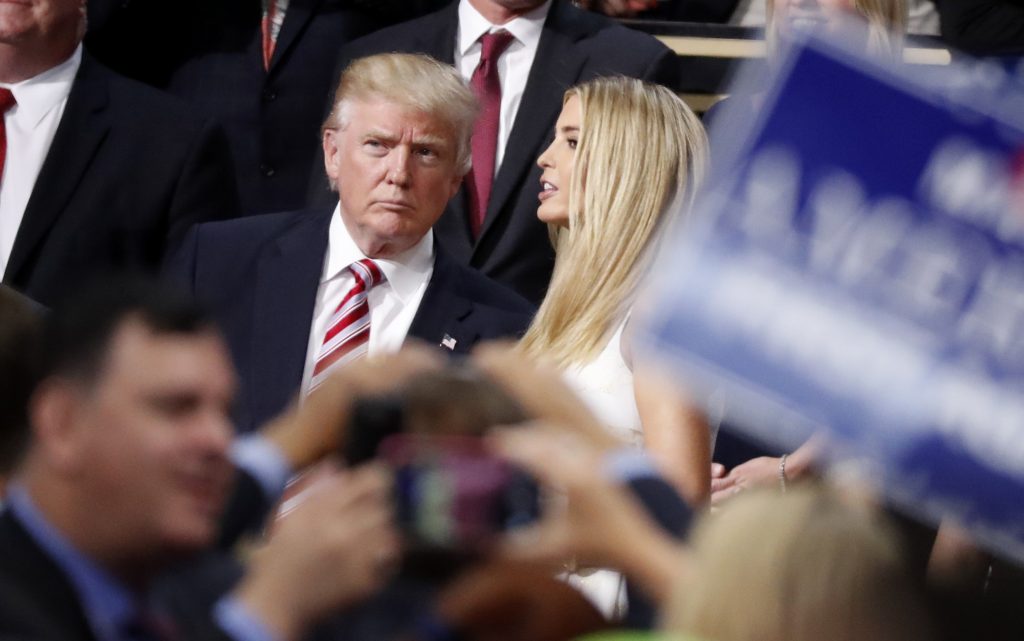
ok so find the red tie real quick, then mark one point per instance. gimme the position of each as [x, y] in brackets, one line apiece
[6, 102]
[267, 35]
[348, 330]
[487, 85]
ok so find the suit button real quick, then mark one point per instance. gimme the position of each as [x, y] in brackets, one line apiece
[267, 170]
[269, 95]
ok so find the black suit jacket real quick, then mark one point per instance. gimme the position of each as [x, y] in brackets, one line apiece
[575, 46]
[260, 276]
[128, 172]
[210, 54]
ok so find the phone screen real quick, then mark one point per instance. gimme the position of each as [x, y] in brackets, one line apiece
[452, 493]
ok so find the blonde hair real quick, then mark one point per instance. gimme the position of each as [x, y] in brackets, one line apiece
[411, 80]
[800, 566]
[640, 155]
[886, 25]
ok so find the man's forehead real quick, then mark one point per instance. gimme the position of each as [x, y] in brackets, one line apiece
[389, 117]
[136, 349]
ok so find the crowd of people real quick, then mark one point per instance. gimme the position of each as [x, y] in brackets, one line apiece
[247, 398]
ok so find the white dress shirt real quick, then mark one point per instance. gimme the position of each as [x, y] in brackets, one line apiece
[30, 124]
[393, 303]
[513, 65]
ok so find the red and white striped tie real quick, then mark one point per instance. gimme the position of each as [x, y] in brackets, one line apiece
[348, 330]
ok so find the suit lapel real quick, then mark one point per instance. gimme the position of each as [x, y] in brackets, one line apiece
[81, 131]
[287, 279]
[556, 67]
[296, 18]
[443, 309]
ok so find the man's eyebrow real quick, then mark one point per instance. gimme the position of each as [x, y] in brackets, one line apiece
[429, 140]
[381, 134]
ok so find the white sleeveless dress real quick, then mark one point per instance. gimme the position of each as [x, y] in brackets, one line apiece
[606, 385]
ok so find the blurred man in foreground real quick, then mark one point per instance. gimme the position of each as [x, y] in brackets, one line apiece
[125, 477]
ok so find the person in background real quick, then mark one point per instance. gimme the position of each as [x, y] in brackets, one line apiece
[744, 464]
[97, 172]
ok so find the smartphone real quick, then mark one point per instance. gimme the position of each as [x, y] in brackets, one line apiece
[452, 493]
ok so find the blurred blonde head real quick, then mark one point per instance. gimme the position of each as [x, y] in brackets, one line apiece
[640, 156]
[886, 21]
[801, 566]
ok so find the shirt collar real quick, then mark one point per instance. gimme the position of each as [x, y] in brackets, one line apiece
[107, 603]
[42, 93]
[404, 272]
[526, 28]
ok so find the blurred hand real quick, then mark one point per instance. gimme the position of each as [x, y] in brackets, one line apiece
[759, 472]
[676, 432]
[600, 524]
[598, 517]
[330, 551]
[310, 430]
[543, 393]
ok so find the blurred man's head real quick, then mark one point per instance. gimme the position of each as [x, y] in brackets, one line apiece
[396, 146]
[130, 425]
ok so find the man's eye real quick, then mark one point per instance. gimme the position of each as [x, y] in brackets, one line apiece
[426, 152]
[374, 145]
[173, 406]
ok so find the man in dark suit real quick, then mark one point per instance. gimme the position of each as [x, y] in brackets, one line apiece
[100, 172]
[211, 54]
[298, 293]
[555, 46]
[123, 482]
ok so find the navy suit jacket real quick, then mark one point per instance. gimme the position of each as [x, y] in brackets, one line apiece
[575, 46]
[260, 275]
[128, 172]
[39, 603]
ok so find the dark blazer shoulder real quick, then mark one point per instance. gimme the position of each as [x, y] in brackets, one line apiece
[229, 246]
[260, 226]
[611, 47]
[479, 288]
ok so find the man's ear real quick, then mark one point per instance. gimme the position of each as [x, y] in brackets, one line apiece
[332, 152]
[53, 412]
[453, 188]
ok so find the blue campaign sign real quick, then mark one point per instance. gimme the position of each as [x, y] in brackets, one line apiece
[856, 266]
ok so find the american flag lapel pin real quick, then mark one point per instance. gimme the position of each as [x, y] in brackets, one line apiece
[448, 342]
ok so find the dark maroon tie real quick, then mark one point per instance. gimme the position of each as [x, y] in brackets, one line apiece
[487, 85]
[6, 102]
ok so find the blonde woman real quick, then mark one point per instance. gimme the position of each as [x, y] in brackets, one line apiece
[625, 159]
